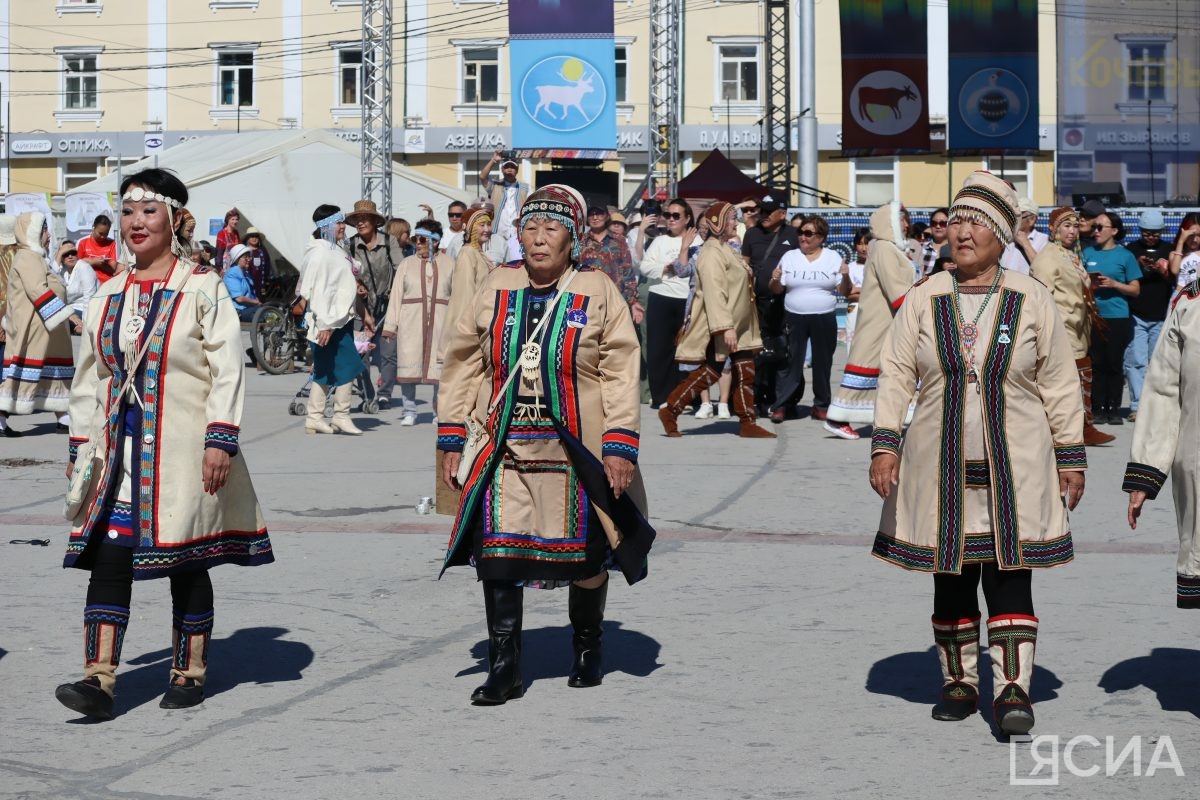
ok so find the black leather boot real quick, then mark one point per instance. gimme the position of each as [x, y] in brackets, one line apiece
[87, 698]
[502, 600]
[586, 609]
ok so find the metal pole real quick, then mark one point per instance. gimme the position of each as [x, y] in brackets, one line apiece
[1150, 149]
[807, 149]
[728, 128]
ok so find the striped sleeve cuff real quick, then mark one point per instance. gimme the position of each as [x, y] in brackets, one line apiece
[621, 442]
[53, 311]
[451, 437]
[222, 436]
[885, 440]
[1070, 457]
[73, 445]
[1143, 478]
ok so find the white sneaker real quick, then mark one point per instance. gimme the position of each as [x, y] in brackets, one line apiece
[408, 420]
[723, 411]
[844, 430]
[705, 412]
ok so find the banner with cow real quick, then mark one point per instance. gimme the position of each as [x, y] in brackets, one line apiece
[563, 68]
[884, 77]
[993, 100]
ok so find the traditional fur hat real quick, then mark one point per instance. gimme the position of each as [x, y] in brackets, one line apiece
[717, 215]
[559, 202]
[1061, 215]
[989, 200]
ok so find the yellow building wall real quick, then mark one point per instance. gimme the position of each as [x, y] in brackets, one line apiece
[33, 175]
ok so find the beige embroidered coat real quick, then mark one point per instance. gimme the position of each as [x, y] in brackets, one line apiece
[1167, 432]
[1058, 269]
[979, 464]
[416, 315]
[471, 269]
[724, 300]
[38, 363]
[191, 386]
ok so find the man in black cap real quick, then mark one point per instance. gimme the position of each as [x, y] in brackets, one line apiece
[762, 248]
[1087, 218]
[507, 196]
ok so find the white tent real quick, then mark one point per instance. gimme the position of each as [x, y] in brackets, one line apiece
[276, 179]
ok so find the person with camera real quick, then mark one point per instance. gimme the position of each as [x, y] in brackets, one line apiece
[762, 248]
[666, 304]
[1116, 279]
[506, 195]
[377, 255]
[1149, 309]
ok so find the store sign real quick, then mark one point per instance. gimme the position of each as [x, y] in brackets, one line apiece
[97, 145]
[31, 146]
[1134, 138]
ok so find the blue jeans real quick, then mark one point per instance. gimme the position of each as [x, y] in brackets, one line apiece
[1137, 356]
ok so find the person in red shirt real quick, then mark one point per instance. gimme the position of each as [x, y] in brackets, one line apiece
[227, 237]
[99, 249]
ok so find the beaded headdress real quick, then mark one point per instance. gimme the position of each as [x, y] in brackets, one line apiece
[561, 203]
[988, 200]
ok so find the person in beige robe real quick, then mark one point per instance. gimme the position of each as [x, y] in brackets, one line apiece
[38, 362]
[471, 269]
[722, 324]
[887, 276]
[416, 316]
[1166, 434]
[1058, 267]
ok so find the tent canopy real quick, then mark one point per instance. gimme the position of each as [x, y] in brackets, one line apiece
[718, 179]
[276, 179]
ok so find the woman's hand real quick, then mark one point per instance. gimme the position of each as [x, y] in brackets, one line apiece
[885, 473]
[76, 322]
[619, 472]
[638, 312]
[731, 340]
[1136, 499]
[686, 240]
[1070, 486]
[323, 337]
[215, 470]
[389, 336]
[450, 465]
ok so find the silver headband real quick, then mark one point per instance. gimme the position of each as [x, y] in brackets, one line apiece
[138, 194]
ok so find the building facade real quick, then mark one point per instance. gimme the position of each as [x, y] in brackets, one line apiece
[91, 84]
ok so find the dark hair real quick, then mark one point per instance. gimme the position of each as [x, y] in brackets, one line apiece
[230, 213]
[102, 218]
[943, 210]
[691, 215]
[456, 204]
[940, 264]
[861, 235]
[206, 246]
[324, 211]
[161, 181]
[819, 225]
[1118, 225]
[918, 228]
[431, 225]
[1191, 218]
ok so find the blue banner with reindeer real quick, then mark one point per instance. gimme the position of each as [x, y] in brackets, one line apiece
[885, 108]
[993, 51]
[561, 58]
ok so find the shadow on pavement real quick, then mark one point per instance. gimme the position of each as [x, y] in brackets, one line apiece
[1172, 673]
[917, 678]
[546, 653]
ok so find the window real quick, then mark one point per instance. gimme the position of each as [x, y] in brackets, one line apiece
[79, 81]
[481, 75]
[748, 164]
[1015, 170]
[471, 167]
[874, 181]
[350, 70]
[235, 79]
[622, 64]
[1146, 183]
[77, 173]
[1146, 70]
[1073, 168]
[738, 73]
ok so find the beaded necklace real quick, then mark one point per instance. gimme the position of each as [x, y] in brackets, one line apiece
[969, 331]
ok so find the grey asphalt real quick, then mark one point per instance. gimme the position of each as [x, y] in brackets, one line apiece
[766, 656]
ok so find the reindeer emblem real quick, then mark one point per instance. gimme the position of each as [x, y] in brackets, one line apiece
[566, 96]
[887, 96]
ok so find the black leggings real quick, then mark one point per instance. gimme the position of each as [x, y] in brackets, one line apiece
[821, 331]
[1108, 364]
[956, 597]
[111, 583]
[664, 318]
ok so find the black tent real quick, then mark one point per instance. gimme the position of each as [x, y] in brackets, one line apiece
[718, 179]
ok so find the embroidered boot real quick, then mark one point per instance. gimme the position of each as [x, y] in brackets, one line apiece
[743, 400]
[958, 652]
[682, 396]
[341, 411]
[103, 634]
[586, 610]
[1012, 639]
[190, 637]
[502, 601]
[1092, 436]
[315, 421]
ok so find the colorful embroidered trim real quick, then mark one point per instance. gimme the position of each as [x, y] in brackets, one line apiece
[1143, 478]
[48, 305]
[1008, 633]
[1070, 456]
[885, 440]
[977, 548]
[73, 445]
[1187, 591]
[621, 442]
[222, 436]
[950, 485]
[96, 618]
[191, 634]
[992, 380]
[451, 437]
[860, 378]
[977, 474]
[29, 370]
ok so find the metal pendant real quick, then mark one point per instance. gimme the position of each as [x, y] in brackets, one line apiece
[134, 327]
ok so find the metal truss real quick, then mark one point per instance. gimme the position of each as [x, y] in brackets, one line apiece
[377, 103]
[662, 169]
[777, 132]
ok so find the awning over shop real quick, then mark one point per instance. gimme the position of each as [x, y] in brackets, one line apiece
[717, 178]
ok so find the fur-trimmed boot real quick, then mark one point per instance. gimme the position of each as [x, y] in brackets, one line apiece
[503, 603]
[742, 400]
[1092, 435]
[315, 421]
[586, 610]
[103, 634]
[190, 638]
[1012, 640]
[958, 652]
[692, 386]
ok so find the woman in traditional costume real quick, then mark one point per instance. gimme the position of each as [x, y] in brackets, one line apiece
[471, 268]
[546, 362]
[416, 315]
[1164, 439]
[887, 276]
[722, 324]
[38, 363]
[999, 416]
[155, 410]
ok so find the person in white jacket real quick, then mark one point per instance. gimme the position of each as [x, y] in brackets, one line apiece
[79, 278]
[329, 291]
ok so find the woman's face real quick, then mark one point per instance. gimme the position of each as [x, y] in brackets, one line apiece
[731, 227]
[422, 243]
[1068, 232]
[244, 260]
[974, 248]
[44, 239]
[860, 249]
[677, 219]
[483, 232]
[1103, 231]
[233, 221]
[253, 241]
[810, 239]
[547, 243]
[146, 227]
[69, 260]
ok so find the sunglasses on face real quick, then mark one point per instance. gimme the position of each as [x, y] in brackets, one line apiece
[454, 214]
[598, 214]
[807, 233]
[673, 215]
[1099, 227]
[420, 239]
[1151, 233]
[939, 223]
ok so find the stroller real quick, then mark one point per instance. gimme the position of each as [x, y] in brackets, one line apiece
[363, 388]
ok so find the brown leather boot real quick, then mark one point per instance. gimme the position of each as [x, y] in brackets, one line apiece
[688, 390]
[1092, 436]
[742, 400]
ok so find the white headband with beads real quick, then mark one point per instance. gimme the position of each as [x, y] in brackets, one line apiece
[137, 194]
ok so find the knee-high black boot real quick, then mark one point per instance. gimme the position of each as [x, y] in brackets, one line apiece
[586, 609]
[502, 601]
